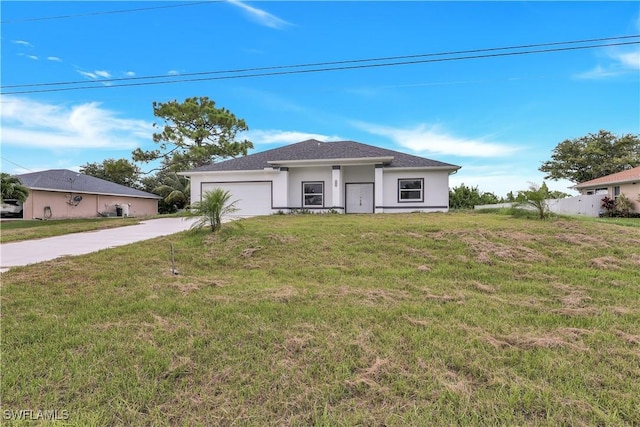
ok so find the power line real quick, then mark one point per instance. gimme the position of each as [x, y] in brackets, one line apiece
[319, 64]
[325, 69]
[108, 12]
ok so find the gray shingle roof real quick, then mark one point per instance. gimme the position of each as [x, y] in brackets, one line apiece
[316, 150]
[69, 181]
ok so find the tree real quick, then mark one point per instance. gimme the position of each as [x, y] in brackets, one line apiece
[12, 188]
[592, 156]
[194, 133]
[120, 171]
[463, 197]
[174, 188]
[535, 197]
[213, 209]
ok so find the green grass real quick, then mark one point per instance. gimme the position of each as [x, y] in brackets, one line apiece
[16, 230]
[438, 319]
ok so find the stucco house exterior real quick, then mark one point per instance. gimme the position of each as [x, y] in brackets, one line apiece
[61, 193]
[625, 182]
[344, 176]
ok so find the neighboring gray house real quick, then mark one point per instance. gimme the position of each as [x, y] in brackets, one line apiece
[346, 176]
[61, 193]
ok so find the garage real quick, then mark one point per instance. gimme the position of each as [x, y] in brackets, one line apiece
[253, 198]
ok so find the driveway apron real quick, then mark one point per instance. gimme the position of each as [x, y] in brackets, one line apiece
[34, 251]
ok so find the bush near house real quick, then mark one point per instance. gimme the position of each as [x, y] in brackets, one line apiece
[621, 207]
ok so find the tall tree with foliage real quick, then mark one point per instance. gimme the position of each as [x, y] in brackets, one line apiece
[120, 171]
[592, 156]
[195, 132]
[12, 187]
[463, 197]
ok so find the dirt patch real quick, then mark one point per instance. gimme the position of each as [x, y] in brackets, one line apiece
[560, 338]
[482, 288]
[581, 240]
[417, 322]
[635, 258]
[628, 338]
[369, 375]
[424, 268]
[605, 263]
[248, 252]
[372, 296]
[444, 298]
[575, 301]
[488, 251]
[283, 294]
[282, 239]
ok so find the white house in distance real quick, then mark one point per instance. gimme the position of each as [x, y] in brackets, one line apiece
[346, 176]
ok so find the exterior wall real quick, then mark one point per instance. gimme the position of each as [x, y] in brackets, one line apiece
[299, 175]
[287, 186]
[90, 206]
[436, 191]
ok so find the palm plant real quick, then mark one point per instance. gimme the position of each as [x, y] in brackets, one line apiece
[214, 207]
[175, 189]
[12, 188]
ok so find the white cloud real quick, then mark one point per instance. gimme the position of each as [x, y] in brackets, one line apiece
[54, 59]
[95, 75]
[130, 74]
[260, 16]
[618, 62]
[35, 58]
[173, 72]
[23, 43]
[28, 123]
[285, 137]
[432, 139]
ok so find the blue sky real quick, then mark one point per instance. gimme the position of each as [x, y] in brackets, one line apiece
[499, 118]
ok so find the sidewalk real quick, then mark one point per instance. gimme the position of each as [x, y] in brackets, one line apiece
[33, 251]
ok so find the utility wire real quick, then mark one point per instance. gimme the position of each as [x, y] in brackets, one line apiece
[325, 69]
[319, 64]
[109, 12]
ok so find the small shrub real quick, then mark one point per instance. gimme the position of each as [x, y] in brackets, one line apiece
[624, 205]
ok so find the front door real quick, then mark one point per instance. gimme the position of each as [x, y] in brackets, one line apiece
[359, 198]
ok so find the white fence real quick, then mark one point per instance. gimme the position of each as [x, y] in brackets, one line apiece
[578, 205]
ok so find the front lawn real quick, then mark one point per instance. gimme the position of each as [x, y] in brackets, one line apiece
[416, 319]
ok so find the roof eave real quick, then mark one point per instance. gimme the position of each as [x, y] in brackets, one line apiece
[345, 161]
[598, 184]
[58, 190]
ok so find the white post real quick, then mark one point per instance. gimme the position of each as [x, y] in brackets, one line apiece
[379, 189]
[336, 184]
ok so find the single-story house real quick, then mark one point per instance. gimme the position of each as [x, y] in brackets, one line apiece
[344, 176]
[61, 193]
[625, 182]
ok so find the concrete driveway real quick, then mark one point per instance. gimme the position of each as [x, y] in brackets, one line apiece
[33, 251]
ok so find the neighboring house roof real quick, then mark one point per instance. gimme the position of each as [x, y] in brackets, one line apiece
[74, 182]
[312, 149]
[629, 175]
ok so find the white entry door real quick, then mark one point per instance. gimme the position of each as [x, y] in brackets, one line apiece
[359, 198]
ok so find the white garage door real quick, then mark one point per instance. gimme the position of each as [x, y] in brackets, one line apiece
[254, 198]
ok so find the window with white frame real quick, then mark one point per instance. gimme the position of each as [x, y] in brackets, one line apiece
[411, 190]
[312, 194]
[616, 191]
